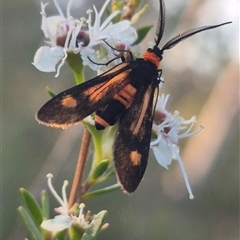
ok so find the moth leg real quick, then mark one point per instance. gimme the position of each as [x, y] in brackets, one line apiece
[105, 64]
[121, 51]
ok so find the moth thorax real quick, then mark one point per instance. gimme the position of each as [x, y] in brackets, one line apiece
[151, 56]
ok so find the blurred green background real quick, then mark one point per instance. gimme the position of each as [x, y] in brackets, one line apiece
[201, 74]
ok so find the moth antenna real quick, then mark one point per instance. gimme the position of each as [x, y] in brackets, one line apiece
[183, 36]
[161, 23]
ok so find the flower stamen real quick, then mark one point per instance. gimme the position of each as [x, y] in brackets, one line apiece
[80, 218]
[58, 8]
[50, 176]
[62, 63]
[68, 8]
[182, 170]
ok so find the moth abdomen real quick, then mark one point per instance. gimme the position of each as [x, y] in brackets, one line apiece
[116, 107]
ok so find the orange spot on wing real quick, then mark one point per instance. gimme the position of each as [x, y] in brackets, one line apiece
[135, 157]
[69, 102]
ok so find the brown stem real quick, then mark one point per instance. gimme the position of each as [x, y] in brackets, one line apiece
[77, 181]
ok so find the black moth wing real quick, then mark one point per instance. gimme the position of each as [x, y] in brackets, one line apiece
[73, 105]
[133, 140]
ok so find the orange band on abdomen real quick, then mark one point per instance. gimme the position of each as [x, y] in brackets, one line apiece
[101, 121]
[126, 95]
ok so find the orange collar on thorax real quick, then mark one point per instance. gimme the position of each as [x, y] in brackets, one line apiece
[152, 57]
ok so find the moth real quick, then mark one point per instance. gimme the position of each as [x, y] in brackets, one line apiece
[127, 95]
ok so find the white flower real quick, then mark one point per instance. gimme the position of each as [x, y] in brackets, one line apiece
[65, 35]
[169, 128]
[62, 33]
[64, 220]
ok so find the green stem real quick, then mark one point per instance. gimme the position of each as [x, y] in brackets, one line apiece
[97, 142]
[86, 186]
[75, 63]
[100, 191]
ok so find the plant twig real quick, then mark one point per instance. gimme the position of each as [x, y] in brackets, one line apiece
[77, 181]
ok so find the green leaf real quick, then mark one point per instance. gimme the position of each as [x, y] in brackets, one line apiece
[103, 142]
[142, 32]
[45, 204]
[100, 191]
[102, 52]
[32, 227]
[134, 3]
[115, 6]
[99, 170]
[95, 226]
[139, 14]
[107, 12]
[75, 232]
[50, 92]
[32, 206]
[61, 235]
[75, 63]
[97, 141]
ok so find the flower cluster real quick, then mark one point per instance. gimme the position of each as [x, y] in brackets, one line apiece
[64, 220]
[66, 34]
[169, 128]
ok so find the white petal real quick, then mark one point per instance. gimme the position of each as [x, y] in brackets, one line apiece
[121, 31]
[50, 25]
[108, 20]
[117, 27]
[46, 58]
[57, 224]
[163, 154]
[87, 53]
[162, 102]
[129, 36]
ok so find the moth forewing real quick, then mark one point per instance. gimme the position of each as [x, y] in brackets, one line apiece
[73, 105]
